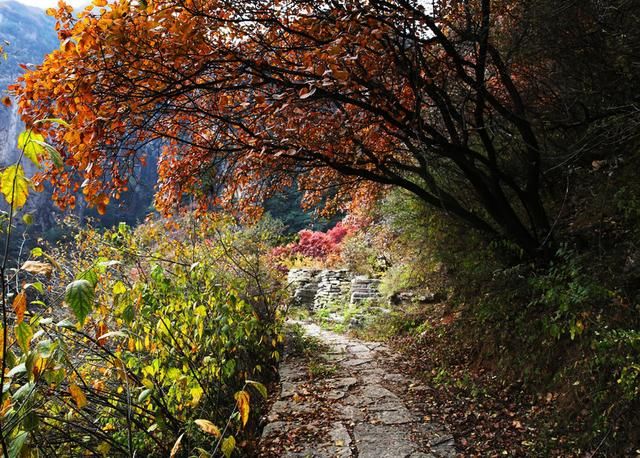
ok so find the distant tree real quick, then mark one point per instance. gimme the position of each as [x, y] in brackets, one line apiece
[347, 97]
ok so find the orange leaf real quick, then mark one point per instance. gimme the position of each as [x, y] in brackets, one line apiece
[78, 396]
[101, 330]
[6, 101]
[6, 405]
[20, 306]
[242, 397]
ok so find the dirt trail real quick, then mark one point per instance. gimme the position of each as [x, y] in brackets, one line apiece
[363, 410]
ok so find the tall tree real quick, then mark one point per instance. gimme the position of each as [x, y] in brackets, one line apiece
[346, 96]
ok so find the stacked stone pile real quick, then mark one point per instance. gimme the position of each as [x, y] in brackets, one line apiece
[304, 284]
[334, 285]
[365, 289]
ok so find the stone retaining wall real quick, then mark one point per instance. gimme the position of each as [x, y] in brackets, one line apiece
[304, 283]
[315, 288]
[364, 289]
[334, 286]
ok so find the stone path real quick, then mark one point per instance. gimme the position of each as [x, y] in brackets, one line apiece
[362, 410]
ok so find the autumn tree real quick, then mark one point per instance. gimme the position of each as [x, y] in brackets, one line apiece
[345, 97]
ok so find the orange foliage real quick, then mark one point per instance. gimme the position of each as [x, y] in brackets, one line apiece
[245, 97]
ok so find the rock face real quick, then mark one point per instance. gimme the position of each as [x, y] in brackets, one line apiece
[315, 289]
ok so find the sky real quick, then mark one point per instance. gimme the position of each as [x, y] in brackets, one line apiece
[50, 3]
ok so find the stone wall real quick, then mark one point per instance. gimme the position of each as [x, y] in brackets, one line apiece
[365, 289]
[315, 289]
[304, 284]
[334, 286]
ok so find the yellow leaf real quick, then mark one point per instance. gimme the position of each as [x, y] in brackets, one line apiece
[242, 397]
[15, 185]
[176, 447]
[196, 395]
[20, 306]
[228, 445]
[37, 268]
[119, 288]
[31, 144]
[78, 396]
[208, 427]
[100, 2]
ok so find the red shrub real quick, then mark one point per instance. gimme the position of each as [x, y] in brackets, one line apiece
[313, 244]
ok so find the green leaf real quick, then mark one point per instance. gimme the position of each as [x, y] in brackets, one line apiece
[36, 252]
[24, 333]
[65, 324]
[24, 390]
[259, 387]
[228, 445]
[30, 143]
[60, 121]
[128, 314]
[17, 443]
[90, 275]
[14, 186]
[79, 296]
[19, 369]
[54, 154]
[31, 421]
[38, 286]
[144, 395]
[102, 265]
[28, 219]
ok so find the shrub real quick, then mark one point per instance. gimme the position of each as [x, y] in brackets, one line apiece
[158, 349]
[313, 245]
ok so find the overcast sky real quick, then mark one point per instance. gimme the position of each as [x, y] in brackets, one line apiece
[49, 3]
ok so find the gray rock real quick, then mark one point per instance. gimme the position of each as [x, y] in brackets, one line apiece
[288, 389]
[281, 409]
[400, 416]
[275, 428]
[344, 383]
[397, 378]
[351, 414]
[382, 441]
[341, 441]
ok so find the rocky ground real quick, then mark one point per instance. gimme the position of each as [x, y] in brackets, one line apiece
[356, 406]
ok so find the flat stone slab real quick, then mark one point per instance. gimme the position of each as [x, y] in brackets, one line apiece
[291, 373]
[395, 378]
[355, 362]
[275, 428]
[382, 441]
[393, 417]
[345, 382]
[358, 348]
[288, 389]
[351, 414]
[375, 391]
[341, 440]
[281, 409]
